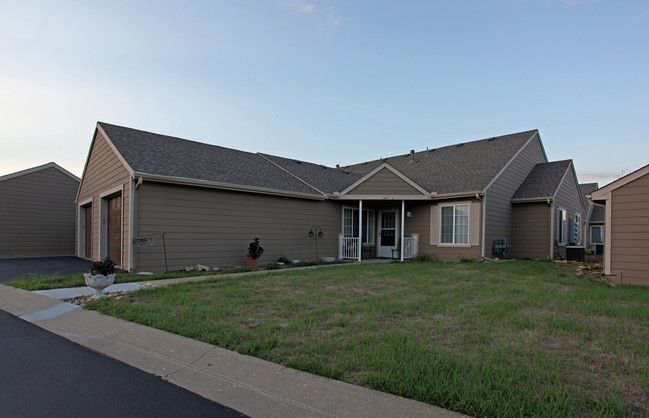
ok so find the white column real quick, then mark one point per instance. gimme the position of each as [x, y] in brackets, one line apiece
[360, 228]
[403, 222]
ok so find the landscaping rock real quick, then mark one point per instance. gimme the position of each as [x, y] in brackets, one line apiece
[201, 267]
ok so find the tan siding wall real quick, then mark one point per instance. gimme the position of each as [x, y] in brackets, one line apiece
[214, 227]
[385, 182]
[531, 232]
[420, 223]
[105, 172]
[499, 207]
[630, 232]
[37, 214]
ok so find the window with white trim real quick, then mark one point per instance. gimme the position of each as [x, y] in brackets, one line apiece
[454, 224]
[596, 234]
[561, 226]
[350, 224]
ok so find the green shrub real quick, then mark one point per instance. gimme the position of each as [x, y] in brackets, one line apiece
[284, 259]
[422, 257]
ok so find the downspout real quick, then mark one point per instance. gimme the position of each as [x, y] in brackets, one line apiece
[403, 222]
[484, 216]
[131, 222]
[360, 229]
[551, 205]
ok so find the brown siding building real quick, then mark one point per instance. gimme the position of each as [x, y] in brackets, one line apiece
[626, 229]
[200, 203]
[37, 212]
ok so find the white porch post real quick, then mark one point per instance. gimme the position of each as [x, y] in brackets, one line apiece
[403, 222]
[360, 228]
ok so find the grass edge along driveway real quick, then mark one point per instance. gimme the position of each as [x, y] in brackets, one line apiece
[486, 339]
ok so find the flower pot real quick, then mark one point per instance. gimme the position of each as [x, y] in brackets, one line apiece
[99, 282]
[252, 261]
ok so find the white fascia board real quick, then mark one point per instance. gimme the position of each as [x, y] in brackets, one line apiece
[378, 197]
[601, 193]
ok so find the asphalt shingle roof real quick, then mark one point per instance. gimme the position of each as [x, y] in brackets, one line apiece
[543, 181]
[325, 179]
[151, 153]
[584, 190]
[465, 167]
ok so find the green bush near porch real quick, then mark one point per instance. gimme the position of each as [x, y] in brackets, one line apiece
[515, 338]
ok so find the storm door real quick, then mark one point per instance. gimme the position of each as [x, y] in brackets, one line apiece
[88, 231]
[388, 233]
[115, 229]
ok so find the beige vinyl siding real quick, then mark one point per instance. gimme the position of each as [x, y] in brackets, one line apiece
[531, 232]
[498, 196]
[214, 227]
[105, 172]
[37, 214]
[420, 223]
[630, 232]
[384, 182]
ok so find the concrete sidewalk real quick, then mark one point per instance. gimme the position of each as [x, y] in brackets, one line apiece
[249, 385]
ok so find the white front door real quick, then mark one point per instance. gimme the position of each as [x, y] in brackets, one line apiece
[388, 233]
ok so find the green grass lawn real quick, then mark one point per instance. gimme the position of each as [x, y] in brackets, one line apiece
[519, 338]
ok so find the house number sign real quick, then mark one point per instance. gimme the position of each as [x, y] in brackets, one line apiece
[143, 242]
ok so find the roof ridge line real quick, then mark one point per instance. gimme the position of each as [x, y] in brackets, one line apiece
[290, 174]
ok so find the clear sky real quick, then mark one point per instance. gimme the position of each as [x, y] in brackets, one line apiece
[331, 82]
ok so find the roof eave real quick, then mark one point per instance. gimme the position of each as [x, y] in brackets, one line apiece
[532, 199]
[160, 178]
[474, 193]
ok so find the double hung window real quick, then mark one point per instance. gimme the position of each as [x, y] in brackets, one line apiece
[596, 234]
[454, 224]
[561, 226]
[350, 224]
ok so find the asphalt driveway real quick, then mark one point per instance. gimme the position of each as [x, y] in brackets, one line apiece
[31, 268]
[45, 375]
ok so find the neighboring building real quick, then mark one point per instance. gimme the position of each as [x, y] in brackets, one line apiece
[626, 231]
[37, 212]
[548, 212]
[593, 221]
[210, 201]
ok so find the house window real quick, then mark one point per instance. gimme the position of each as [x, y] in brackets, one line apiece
[561, 225]
[350, 224]
[596, 234]
[454, 224]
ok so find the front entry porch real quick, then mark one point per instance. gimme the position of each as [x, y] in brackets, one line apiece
[377, 233]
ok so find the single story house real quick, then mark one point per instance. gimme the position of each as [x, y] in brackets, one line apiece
[200, 203]
[593, 220]
[548, 212]
[626, 227]
[37, 212]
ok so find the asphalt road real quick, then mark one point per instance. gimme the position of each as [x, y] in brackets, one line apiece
[26, 268]
[42, 374]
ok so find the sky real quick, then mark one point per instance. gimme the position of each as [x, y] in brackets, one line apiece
[329, 82]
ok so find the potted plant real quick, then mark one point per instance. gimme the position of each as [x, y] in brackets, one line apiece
[102, 275]
[254, 252]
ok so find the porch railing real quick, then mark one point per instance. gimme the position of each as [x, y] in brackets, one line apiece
[349, 247]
